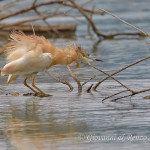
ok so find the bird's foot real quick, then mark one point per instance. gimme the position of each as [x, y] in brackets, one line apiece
[41, 95]
[37, 94]
[28, 94]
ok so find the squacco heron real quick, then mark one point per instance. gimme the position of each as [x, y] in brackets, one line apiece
[29, 54]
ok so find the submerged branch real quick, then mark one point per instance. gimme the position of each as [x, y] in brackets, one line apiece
[109, 76]
[88, 81]
[125, 96]
[75, 78]
[122, 97]
[114, 95]
[89, 89]
[63, 82]
[105, 78]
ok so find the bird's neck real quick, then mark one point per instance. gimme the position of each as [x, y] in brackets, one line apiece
[64, 56]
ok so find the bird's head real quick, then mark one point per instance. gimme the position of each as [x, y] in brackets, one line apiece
[84, 56]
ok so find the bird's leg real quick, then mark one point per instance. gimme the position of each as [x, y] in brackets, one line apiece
[41, 92]
[25, 83]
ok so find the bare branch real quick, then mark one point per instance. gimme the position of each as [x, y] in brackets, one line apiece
[94, 88]
[132, 94]
[88, 19]
[75, 78]
[63, 82]
[121, 97]
[44, 19]
[28, 27]
[30, 8]
[86, 10]
[8, 5]
[109, 76]
[88, 80]
[89, 89]
[114, 95]
[146, 34]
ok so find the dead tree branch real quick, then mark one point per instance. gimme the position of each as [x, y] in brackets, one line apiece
[88, 81]
[63, 82]
[132, 94]
[141, 31]
[114, 95]
[89, 89]
[30, 8]
[85, 10]
[125, 96]
[89, 20]
[109, 76]
[37, 28]
[44, 19]
[8, 5]
[105, 78]
[75, 78]
[114, 100]
[72, 4]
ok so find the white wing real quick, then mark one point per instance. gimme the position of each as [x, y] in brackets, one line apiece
[28, 64]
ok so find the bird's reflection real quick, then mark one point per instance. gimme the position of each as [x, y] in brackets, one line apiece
[26, 129]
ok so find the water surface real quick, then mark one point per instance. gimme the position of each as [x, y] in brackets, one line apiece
[67, 120]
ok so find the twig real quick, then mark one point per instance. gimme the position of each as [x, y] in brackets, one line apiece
[88, 80]
[88, 19]
[132, 94]
[89, 89]
[59, 74]
[126, 33]
[63, 82]
[30, 8]
[91, 15]
[83, 11]
[19, 22]
[44, 19]
[8, 5]
[146, 34]
[38, 28]
[141, 91]
[94, 88]
[112, 35]
[114, 95]
[83, 4]
[109, 76]
[86, 10]
[136, 92]
[75, 78]
[114, 100]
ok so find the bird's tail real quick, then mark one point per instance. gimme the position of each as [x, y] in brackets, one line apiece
[11, 78]
[4, 48]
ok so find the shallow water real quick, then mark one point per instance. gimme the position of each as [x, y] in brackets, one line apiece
[67, 120]
[71, 121]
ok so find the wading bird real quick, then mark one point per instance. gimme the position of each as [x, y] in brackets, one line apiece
[29, 54]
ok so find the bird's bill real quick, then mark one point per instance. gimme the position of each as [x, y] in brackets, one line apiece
[90, 59]
[85, 56]
[95, 59]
